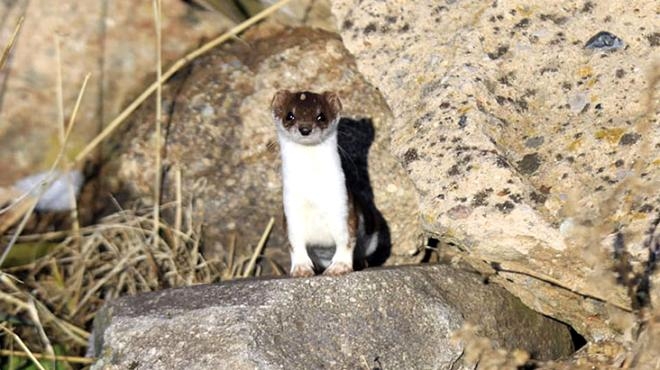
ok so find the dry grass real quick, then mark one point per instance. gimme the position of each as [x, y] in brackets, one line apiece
[159, 116]
[56, 297]
[113, 258]
[49, 303]
[10, 44]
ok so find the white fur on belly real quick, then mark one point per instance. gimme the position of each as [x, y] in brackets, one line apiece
[315, 198]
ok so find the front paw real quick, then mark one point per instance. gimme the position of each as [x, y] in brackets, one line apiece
[338, 269]
[302, 271]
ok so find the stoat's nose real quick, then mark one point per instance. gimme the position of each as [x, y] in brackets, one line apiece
[304, 130]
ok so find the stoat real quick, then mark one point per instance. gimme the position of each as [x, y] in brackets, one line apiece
[319, 209]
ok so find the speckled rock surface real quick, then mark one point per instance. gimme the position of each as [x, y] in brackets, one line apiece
[219, 130]
[111, 40]
[529, 151]
[341, 323]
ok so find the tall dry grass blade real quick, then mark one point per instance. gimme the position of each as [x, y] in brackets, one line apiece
[75, 223]
[34, 316]
[49, 179]
[59, 94]
[159, 115]
[3, 59]
[194, 256]
[17, 200]
[278, 270]
[11, 300]
[259, 248]
[69, 359]
[230, 257]
[76, 107]
[22, 345]
[171, 71]
[179, 211]
[10, 44]
[75, 333]
[15, 211]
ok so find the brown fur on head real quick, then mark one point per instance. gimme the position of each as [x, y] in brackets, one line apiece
[306, 117]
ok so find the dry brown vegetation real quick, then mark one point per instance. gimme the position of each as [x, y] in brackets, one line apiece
[47, 303]
[58, 294]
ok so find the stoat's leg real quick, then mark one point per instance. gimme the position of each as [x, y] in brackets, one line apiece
[294, 222]
[345, 240]
[301, 264]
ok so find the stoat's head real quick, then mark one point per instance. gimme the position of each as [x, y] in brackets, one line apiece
[305, 117]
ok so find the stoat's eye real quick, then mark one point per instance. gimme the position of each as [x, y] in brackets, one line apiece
[320, 117]
[290, 116]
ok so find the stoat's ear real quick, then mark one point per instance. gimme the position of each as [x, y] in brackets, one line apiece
[279, 99]
[333, 101]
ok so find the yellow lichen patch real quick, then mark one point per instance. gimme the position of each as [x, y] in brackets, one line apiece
[449, 234]
[640, 216]
[525, 11]
[591, 83]
[464, 109]
[573, 146]
[612, 135]
[656, 162]
[585, 72]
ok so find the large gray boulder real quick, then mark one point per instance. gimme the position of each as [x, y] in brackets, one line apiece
[391, 318]
[533, 145]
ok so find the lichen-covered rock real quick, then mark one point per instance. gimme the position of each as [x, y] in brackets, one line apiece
[113, 41]
[399, 318]
[219, 131]
[529, 151]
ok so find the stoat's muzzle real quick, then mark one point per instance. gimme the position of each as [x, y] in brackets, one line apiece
[307, 133]
[305, 130]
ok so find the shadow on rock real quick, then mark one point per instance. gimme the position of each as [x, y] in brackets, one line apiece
[355, 137]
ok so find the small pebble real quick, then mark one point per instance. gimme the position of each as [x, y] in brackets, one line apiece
[577, 102]
[208, 111]
[534, 142]
[566, 227]
[604, 40]
[462, 122]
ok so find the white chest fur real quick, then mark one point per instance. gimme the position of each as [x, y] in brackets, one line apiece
[315, 196]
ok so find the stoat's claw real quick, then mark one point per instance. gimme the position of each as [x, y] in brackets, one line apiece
[338, 269]
[302, 271]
